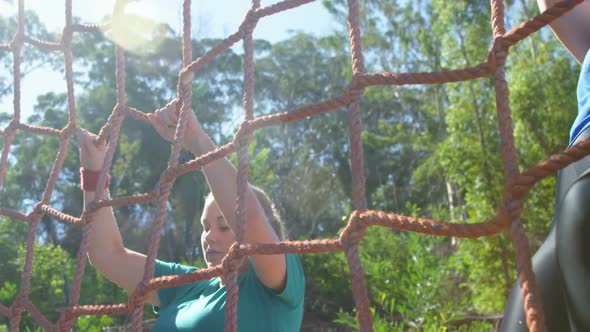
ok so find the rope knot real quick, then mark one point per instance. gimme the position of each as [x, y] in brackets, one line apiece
[249, 23]
[244, 134]
[185, 77]
[164, 184]
[12, 127]
[516, 187]
[136, 300]
[16, 42]
[498, 52]
[139, 295]
[37, 211]
[354, 231]
[66, 36]
[67, 131]
[91, 208]
[67, 315]
[20, 300]
[185, 85]
[356, 87]
[234, 258]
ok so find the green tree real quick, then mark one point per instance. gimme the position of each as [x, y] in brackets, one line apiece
[31, 57]
[430, 151]
[308, 157]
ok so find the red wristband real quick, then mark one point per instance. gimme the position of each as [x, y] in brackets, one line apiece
[89, 179]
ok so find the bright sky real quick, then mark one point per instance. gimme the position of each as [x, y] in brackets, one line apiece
[218, 18]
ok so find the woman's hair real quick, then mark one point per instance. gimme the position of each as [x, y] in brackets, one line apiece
[272, 215]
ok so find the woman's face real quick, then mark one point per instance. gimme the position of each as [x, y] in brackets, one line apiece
[217, 237]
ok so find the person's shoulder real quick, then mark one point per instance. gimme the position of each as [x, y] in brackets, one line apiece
[162, 268]
[294, 290]
[168, 295]
[295, 270]
[294, 261]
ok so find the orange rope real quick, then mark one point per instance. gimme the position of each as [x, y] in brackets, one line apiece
[516, 184]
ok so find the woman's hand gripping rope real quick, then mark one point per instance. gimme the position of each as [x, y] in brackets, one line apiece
[91, 153]
[165, 120]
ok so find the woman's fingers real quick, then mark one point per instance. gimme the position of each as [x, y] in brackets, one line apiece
[90, 141]
[91, 153]
[164, 123]
[79, 135]
[169, 117]
[158, 125]
[82, 138]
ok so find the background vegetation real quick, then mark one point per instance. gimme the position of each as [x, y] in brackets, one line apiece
[431, 151]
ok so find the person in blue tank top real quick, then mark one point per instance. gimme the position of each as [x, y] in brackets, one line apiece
[562, 263]
[271, 287]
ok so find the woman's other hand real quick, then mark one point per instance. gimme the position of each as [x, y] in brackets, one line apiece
[91, 153]
[164, 122]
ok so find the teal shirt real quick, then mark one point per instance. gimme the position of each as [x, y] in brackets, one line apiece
[200, 306]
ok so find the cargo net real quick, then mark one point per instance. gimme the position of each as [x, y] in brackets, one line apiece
[516, 185]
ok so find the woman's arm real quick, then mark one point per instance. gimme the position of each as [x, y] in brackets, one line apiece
[221, 176]
[106, 251]
[573, 28]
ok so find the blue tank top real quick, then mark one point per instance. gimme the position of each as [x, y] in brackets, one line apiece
[583, 119]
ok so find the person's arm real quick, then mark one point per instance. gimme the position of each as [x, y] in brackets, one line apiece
[573, 28]
[106, 251]
[221, 177]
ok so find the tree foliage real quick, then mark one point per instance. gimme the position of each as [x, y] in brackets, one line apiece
[430, 151]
